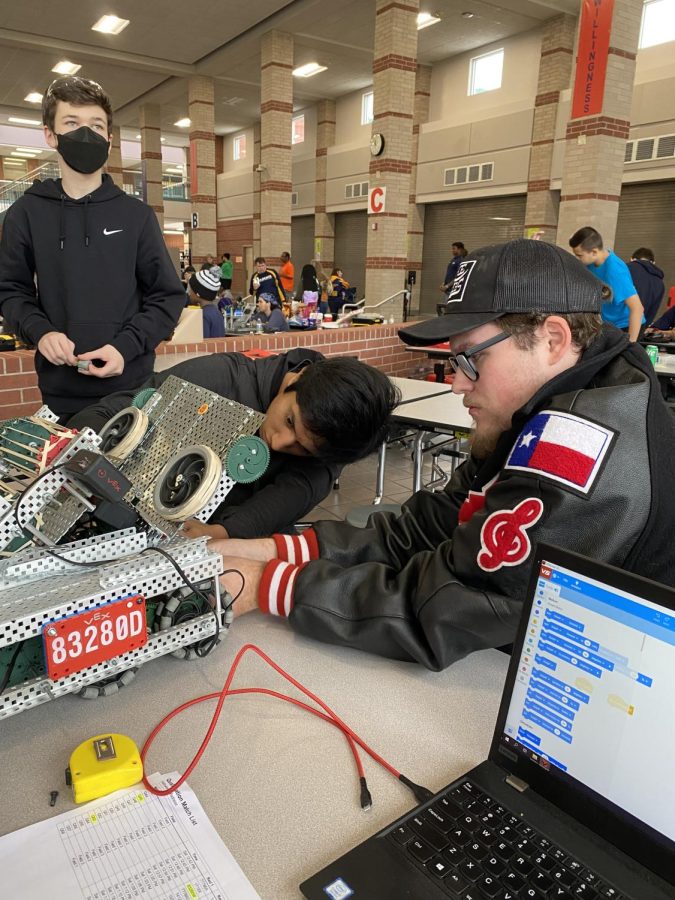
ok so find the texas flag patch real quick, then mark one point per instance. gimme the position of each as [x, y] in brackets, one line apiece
[563, 448]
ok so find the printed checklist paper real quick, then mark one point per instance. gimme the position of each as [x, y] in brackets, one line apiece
[131, 844]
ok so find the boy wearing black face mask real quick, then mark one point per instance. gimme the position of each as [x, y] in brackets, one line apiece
[85, 275]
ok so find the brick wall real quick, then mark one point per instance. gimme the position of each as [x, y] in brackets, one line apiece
[232, 237]
[378, 345]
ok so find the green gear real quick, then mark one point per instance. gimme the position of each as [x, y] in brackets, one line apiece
[142, 397]
[247, 459]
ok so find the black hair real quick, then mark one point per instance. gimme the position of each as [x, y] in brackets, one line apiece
[259, 259]
[643, 253]
[308, 277]
[226, 256]
[459, 245]
[346, 404]
[189, 269]
[587, 239]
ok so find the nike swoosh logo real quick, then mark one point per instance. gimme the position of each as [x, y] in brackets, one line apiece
[116, 231]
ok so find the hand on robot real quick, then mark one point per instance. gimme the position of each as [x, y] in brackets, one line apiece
[192, 528]
[112, 359]
[231, 581]
[57, 348]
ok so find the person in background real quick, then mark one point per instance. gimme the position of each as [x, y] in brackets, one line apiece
[458, 251]
[648, 281]
[270, 315]
[287, 275]
[188, 272]
[226, 272]
[203, 289]
[208, 263]
[266, 281]
[624, 309]
[341, 292]
[85, 275]
[310, 289]
[665, 324]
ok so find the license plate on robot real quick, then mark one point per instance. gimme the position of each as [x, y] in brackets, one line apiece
[94, 636]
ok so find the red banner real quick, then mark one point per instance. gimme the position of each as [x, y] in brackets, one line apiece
[594, 31]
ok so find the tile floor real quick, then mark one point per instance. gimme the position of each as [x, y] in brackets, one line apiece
[357, 484]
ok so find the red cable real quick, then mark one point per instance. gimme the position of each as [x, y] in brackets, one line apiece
[330, 716]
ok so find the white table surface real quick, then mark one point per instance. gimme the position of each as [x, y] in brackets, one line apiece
[278, 784]
[438, 409]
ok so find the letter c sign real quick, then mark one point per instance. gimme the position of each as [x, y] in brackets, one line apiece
[376, 198]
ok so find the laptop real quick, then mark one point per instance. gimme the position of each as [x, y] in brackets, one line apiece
[577, 796]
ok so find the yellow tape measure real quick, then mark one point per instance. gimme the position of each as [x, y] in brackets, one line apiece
[103, 764]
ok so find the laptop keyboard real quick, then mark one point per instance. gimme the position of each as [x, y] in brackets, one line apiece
[475, 849]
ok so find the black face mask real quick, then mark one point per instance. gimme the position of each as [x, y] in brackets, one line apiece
[83, 150]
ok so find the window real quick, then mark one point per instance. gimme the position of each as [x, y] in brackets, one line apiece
[658, 23]
[239, 147]
[367, 108]
[298, 130]
[486, 72]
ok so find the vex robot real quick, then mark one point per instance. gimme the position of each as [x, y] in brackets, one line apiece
[96, 577]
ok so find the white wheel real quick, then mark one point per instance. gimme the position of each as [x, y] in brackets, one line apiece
[123, 433]
[186, 483]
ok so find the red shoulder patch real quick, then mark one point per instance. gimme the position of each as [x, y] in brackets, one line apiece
[503, 537]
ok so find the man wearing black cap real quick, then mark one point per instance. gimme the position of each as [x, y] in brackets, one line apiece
[571, 441]
[203, 287]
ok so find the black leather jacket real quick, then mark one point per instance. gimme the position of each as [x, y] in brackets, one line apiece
[422, 586]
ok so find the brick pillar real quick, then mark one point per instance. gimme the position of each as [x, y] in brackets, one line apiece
[416, 210]
[324, 223]
[151, 159]
[114, 164]
[555, 70]
[276, 111]
[256, 190]
[202, 166]
[394, 67]
[2, 168]
[595, 144]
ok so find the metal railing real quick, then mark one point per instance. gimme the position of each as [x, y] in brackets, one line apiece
[17, 188]
[12, 190]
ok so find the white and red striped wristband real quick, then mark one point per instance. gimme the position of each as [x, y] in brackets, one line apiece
[275, 593]
[297, 548]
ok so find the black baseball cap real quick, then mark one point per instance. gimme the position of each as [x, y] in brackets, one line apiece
[521, 276]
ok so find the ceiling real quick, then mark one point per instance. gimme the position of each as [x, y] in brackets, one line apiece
[167, 41]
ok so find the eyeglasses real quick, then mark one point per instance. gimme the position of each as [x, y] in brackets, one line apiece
[462, 361]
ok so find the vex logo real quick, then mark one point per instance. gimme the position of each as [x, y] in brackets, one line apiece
[97, 617]
[458, 288]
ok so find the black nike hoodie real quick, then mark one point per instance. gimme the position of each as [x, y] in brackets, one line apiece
[96, 269]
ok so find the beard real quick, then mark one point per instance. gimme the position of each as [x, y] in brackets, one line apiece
[483, 439]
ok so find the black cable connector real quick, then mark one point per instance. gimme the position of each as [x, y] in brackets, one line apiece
[421, 793]
[366, 799]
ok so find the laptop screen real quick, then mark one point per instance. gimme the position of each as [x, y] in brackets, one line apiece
[594, 692]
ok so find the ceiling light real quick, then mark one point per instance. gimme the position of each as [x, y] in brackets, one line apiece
[424, 19]
[138, 137]
[66, 68]
[110, 25]
[183, 123]
[33, 97]
[13, 162]
[468, 15]
[308, 70]
[501, 218]
[18, 121]
[163, 140]
[29, 150]
[23, 155]
[174, 169]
